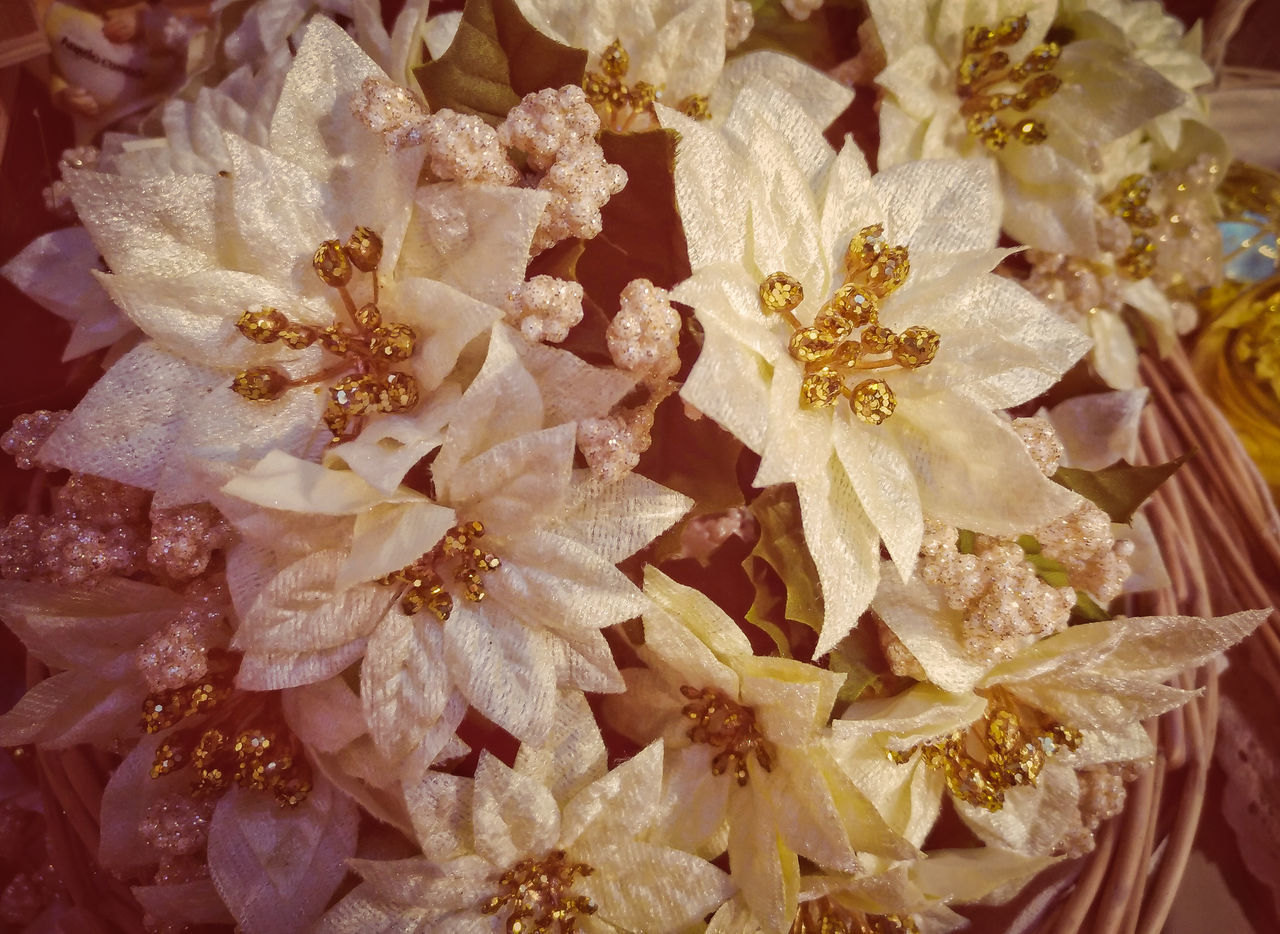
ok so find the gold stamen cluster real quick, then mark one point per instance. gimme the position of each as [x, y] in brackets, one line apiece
[1009, 753]
[536, 891]
[365, 382]
[826, 916]
[424, 587]
[621, 104]
[846, 336]
[728, 726]
[988, 83]
[1128, 201]
[231, 744]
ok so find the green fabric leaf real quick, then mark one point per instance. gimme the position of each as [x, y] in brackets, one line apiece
[768, 604]
[1118, 490]
[859, 656]
[496, 58]
[643, 237]
[782, 547]
[1087, 611]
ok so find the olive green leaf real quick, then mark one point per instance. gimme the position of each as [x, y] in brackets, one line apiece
[782, 548]
[1118, 490]
[495, 59]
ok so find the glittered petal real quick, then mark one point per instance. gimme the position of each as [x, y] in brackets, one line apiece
[156, 226]
[315, 127]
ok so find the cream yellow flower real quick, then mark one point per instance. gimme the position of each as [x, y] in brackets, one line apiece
[766, 194]
[555, 834]
[1069, 702]
[492, 593]
[748, 764]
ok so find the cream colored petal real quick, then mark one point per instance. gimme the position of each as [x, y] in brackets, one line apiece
[503, 669]
[931, 631]
[572, 389]
[792, 700]
[714, 213]
[315, 127]
[729, 384]
[696, 802]
[643, 886]
[1099, 429]
[445, 321]
[620, 805]
[615, 520]
[922, 712]
[403, 682]
[514, 485]
[473, 237]
[1032, 820]
[886, 487]
[973, 470]
[282, 481]
[551, 582]
[766, 871]
[513, 816]
[697, 613]
[502, 402]
[56, 271]
[154, 226]
[942, 206]
[387, 538]
[574, 757]
[389, 445]
[821, 98]
[845, 548]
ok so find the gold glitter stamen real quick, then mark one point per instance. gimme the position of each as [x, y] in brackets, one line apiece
[536, 893]
[365, 384]
[238, 739]
[1008, 747]
[625, 107]
[729, 727]
[826, 915]
[425, 588]
[1128, 201]
[846, 335]
[988, 84]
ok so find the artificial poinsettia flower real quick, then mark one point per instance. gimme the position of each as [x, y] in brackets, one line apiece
[753, 775]
[491, 593]
[1009, 740]
[557, 842]
[992, 79]
[262, 271]
[669, 52]
[906, 898]
[852, 268]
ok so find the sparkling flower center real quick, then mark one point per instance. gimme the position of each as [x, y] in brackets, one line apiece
[729, 727]
[536, 892]
[626, 107]
[422, 580]
[846, 337]
[825, 916]
[991, 87]
[1128, 201]
[1008, 747]
[240, 738]
[365, 382]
